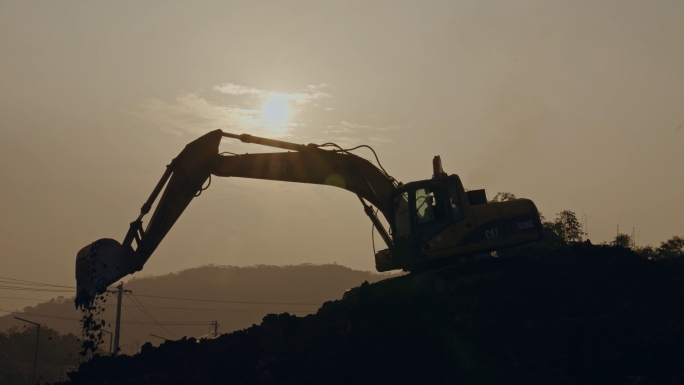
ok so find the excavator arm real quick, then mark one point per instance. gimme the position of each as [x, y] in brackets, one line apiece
[434, 221]
[105, 261]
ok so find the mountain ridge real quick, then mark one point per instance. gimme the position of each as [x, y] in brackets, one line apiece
[254, 291]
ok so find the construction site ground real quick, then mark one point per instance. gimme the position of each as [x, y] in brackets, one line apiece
[581, 315]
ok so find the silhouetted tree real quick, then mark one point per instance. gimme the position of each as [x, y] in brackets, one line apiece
[623, 240]
[568, 227]
[553, 235]
[17, 347]
[562, 231]
[647, 251]
[503, 197]
[672, 248]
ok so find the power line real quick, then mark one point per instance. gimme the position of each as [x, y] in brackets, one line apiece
[40, 315]
[219, 309]
[36, 283]
[129, 312]
[241, 302]
[79, 319]
[33, 284]
[177, 308]
[175, 298]
[132, 296]
[36, 289]
[30, 299]
[53, 290]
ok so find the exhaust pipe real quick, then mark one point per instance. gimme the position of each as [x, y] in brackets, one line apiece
[101, 264]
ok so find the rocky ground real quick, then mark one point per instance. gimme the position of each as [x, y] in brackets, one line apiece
[583, 315]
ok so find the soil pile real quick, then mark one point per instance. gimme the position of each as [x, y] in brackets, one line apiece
[586, 314]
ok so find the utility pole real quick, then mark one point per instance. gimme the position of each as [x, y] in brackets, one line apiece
[110, 340]
[137, 346]
[119, 295]
[215, 326]
[35, 355]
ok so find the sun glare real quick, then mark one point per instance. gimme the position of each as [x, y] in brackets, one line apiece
[275, 111]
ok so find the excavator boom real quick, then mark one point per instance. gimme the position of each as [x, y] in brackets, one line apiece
[105, 261]
[430, 220]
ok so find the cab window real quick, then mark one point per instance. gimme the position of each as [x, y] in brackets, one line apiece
[401, 215]
[430, 205]
[455, 202]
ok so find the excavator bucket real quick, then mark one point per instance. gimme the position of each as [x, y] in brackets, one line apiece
[99, 265]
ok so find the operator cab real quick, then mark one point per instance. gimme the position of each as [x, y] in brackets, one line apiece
[436, 220]
[424, 209]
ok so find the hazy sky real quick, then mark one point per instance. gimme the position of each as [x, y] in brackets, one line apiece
[575, 104]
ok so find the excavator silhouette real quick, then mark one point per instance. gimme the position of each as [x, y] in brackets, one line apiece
[433, 222]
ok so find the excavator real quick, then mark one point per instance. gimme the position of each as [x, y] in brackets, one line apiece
[432, 223]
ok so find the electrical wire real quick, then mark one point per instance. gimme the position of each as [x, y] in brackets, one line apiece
[175, 298]
[33, 283]
[36, 289]
[241, 302]
[79, 319]
[146, 312]
[136, 319]
[219, 309]
[143, 310]
[40, 315]
[29, 299]
[179, 298]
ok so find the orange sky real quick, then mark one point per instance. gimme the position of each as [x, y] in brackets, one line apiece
[574, 104]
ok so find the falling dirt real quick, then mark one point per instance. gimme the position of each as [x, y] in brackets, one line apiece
[583, 315]
[92, 322]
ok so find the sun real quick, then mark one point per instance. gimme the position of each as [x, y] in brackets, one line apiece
[275, 111]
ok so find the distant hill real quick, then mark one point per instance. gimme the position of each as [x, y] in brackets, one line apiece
[260, 290]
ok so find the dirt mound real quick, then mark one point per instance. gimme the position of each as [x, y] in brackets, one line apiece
[587, 314]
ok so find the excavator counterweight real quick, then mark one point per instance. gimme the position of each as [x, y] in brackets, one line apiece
[431, 222]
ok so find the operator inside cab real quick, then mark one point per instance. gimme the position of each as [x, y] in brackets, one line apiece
[427, 210]
[430, 204]
[455, 202]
